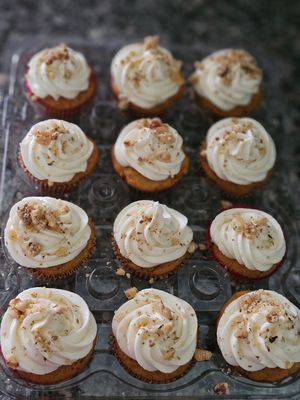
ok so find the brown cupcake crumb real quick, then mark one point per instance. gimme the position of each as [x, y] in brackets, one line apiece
[131, 292]
[202, 355]
[221, 388]
[192, 247]
[202, 246]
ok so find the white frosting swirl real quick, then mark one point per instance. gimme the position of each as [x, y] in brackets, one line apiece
[44, 329]
[240, 150]
[260, 330]
[156, 329]
[149, 233]
[150, 147]
[252, 237]
[228, 78]
[42, 232]
[58, 72]
[55, 150]
[146, 74]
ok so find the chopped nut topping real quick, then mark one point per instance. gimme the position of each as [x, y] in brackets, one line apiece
[241, 333]
[165, 156]
[11, 361]
[60, 52]
[168, 354]
[202, 355]
[249, 229]
[221, 388]
[192, 247]
[155, 123]
[123, 102]
[226, 204]
[163, 310]
[202, 246]
[12, 234]
[120, 272]
[203, 153]
[50, 134]
[34, 248]
[131, 292]
[61, 251]
[150, 42]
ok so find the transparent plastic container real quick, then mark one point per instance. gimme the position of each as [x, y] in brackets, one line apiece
[201, 281]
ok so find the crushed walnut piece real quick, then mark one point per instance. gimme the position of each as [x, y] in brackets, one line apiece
[221, 388]
[18, 308]
[46, 136]
[11, 361]
[60, 52]
[34, 249]
[123, 102]
[12, 234]
[163, 310]
[164, 329]
[120, 271]
[131, 292]
[202, 355]
[151, 42]
[202, 246]
[225, 204]
[164, 156]
[168, 354]
[61, 252]
[192, 247]
[250, 229]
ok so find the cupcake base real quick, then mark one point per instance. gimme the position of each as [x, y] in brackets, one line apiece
[147, 376]
[61, 374]
[237, 270]
[154, 111]
[138, 181]
[62, 108]
[230, 188]
[64, 270]
[266, 374]
[59, 188]
[238, 111]
[159, 272]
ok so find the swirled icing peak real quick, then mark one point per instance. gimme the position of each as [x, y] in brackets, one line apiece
[240, 150]
[146, 74]
[149, 233]
[58, 72]
[44, 329]
[152, 148]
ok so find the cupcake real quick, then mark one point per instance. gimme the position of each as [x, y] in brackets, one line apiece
[258, 334]
[47, 335]
[59, 81]
[56, 155]
[51, 238]
[155, 336]
[249, 243]
[149, 155]
[146, 78]
[238, 155]
[151, 239]
[228, 83]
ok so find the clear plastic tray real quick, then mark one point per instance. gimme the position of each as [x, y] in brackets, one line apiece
[200, 281]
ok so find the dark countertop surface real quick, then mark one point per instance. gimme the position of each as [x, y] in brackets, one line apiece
[259, 26]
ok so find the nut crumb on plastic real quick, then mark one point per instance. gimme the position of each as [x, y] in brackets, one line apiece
[202, 355]
[192, 247]
[128, 275]
[202, 246]
[131, 292]
[221, 388]
[226, 204]
[151, 280]
[120, 271]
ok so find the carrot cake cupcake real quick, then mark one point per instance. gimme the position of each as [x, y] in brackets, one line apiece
[146, 78]
[258, 334]
[56, 155]
[151, 239]
[51, 238]
[228, 83]
[249, 243]
[47, 335]
[155, 336]
[238, 155]
[59, 81]
[149, 155]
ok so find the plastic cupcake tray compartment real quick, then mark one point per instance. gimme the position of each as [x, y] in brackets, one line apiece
[201, 281]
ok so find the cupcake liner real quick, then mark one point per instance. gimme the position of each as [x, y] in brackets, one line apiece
[63, 373]
[57, 189]
[227, 193]
[141, 374]
[42, 274]
[147, 273]
[235, 275]
[42, 108]
[172, 181]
